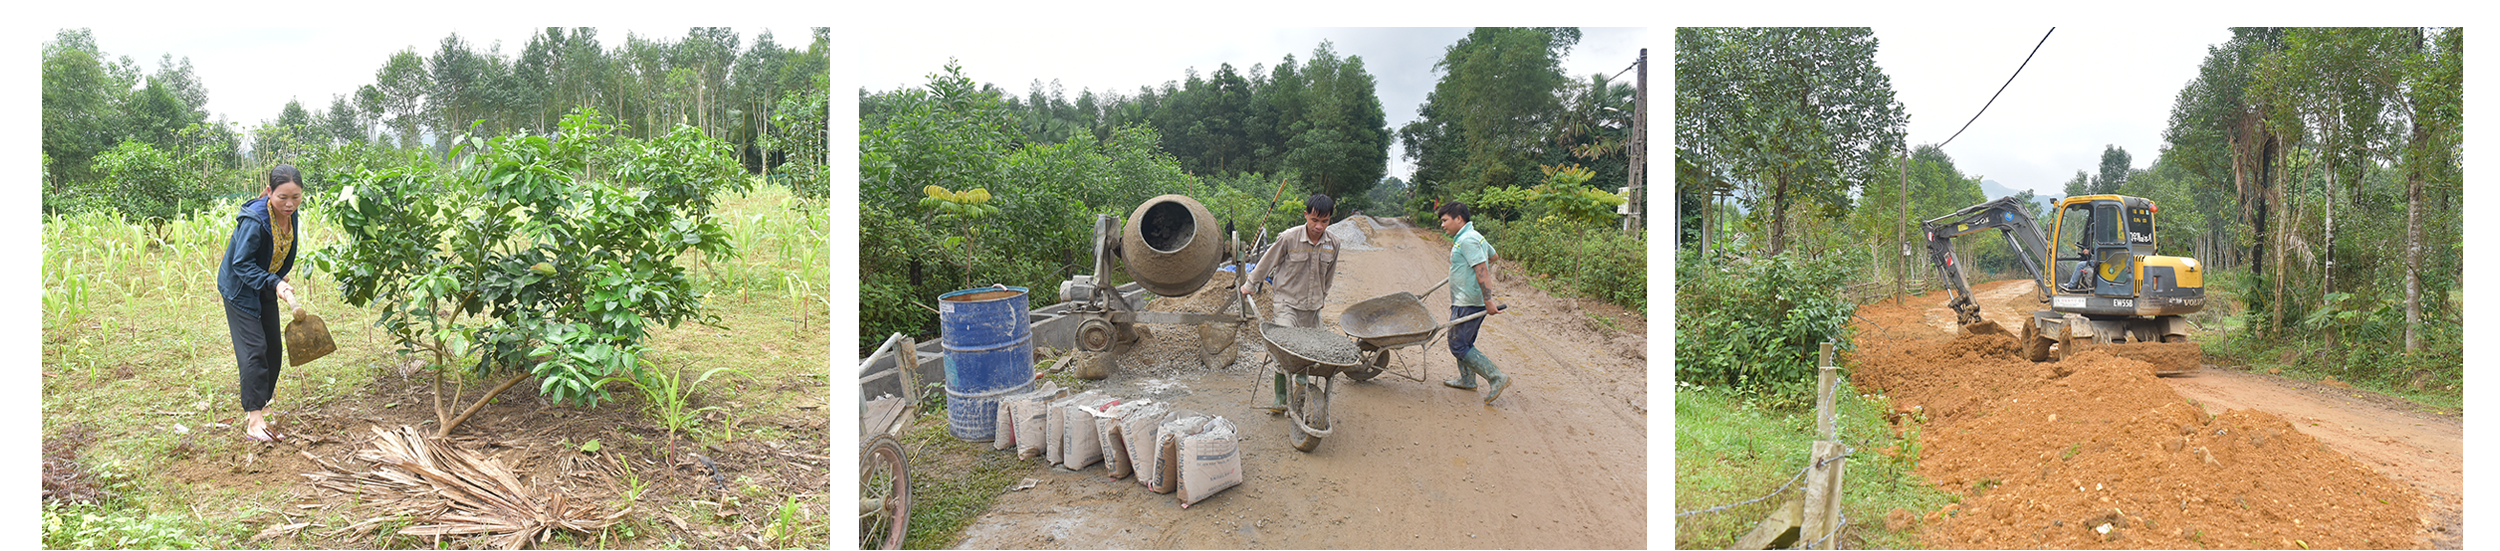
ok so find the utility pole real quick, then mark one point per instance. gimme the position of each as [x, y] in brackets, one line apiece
[1640, 145]
[1900, 236]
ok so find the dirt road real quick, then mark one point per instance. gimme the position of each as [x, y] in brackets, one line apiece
[2418, 448]
[2396, 439]
[1557, 462]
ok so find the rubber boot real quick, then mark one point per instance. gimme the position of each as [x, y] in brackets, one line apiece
[1466, 375]
[1492, 374]
[1279, 407]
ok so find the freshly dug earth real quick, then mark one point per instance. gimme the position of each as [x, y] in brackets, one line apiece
[2096, 452]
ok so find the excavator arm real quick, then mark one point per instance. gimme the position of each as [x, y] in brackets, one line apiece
[2005, 214]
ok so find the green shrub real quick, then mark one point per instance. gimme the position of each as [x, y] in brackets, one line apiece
[1594, 261]
[1755, 323]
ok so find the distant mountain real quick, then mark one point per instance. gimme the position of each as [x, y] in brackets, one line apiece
[1996, 190]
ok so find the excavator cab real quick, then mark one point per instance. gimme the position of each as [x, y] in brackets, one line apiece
[2111, 238]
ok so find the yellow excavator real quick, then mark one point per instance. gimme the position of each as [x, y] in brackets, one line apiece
[2097, 272]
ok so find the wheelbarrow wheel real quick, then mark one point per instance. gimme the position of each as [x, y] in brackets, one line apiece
[1378, 362]
[1310, 400]
[884, 494]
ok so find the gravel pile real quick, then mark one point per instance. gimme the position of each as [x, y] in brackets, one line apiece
[1315, 343]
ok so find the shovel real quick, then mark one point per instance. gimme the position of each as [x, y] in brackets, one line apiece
[307, 337]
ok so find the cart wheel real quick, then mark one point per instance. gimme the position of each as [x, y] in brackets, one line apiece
[1311, 401]
[884, 494]
[1379, 362]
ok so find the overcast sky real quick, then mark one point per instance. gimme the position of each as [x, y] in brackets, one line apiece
[2088, 88]
[251, 73]
[1399, 59]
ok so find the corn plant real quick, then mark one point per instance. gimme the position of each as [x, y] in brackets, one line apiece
[669, 397]
[786, 522]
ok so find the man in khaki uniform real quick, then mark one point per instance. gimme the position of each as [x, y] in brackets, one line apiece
[1304, 262]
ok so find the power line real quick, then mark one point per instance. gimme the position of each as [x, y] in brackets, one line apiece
[2009, 81]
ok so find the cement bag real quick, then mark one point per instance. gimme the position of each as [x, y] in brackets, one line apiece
[1167, 467]
[1032, 427]
[1007, 416]
[1137, 433]
[1053, 440]
[1210, 461]
[1108, 431]
[1082, 447]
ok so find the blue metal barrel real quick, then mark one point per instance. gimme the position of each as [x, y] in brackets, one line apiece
[988, 334]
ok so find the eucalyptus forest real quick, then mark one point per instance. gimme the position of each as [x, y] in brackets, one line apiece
[105, 113]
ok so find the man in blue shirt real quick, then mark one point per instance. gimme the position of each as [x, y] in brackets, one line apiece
[1471, 290]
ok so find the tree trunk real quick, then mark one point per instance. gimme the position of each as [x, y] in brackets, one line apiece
[2326, 283]
[2413, 237]
[442, 415]
[2274, 204]
[1779, 214]
[480, 404]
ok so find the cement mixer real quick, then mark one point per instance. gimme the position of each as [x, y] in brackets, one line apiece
[1171, 246]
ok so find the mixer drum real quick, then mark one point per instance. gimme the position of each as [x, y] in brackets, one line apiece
[1171, 245]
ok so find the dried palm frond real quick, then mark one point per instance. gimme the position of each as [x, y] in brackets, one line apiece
[451, 491]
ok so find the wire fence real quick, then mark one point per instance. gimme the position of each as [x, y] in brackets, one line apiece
[1839, 435]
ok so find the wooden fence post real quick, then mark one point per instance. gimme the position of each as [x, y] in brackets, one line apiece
[1823, 478]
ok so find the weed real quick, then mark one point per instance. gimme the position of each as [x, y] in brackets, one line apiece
[113, 526]
[786, 522]
[667, 395]
[2071, 451]
[1984, 485]
[1606, 321]
[952, 482]
[634, 485]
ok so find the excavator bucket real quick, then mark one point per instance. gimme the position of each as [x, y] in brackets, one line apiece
[1985, 327]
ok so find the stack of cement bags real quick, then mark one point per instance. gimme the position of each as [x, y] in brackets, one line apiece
[1166, 448]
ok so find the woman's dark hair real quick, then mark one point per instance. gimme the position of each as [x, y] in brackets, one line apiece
[1454, 208]
[285, 174]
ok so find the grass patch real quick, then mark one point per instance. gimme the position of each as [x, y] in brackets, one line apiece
[1727, 451]
[2444, 397]
[135, 350]
[952, 481]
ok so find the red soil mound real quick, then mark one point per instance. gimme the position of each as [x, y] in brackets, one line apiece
[2096, 452]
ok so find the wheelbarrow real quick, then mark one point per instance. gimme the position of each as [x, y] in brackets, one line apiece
[1386, 323]
[884, 467]
[1311, 357]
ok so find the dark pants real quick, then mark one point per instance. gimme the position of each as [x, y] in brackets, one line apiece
[1463, 335]
[258, 351]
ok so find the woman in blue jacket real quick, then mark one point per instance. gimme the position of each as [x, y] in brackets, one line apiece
[252, 279]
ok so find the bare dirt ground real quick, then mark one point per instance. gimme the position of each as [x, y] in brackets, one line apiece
[2049, 454]
[1557, 462]
[771, 454]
